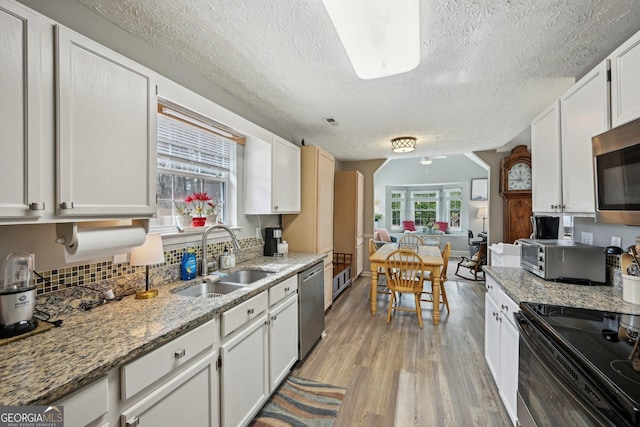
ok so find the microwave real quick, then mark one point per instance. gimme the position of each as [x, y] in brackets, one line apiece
[563, 261]
[616, 161]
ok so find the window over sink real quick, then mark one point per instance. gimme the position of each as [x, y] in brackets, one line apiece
[193, 156]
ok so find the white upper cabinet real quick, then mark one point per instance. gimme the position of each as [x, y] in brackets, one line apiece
[561, 146]
[545, 160]
[625, 82]
[272, 177]
[20, 137]
[584, 112]
[106, 125]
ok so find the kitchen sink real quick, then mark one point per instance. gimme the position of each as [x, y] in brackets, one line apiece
[225, 285]
[244, 277]
[209, 290]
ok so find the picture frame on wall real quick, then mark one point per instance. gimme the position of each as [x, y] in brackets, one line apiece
[480, 189]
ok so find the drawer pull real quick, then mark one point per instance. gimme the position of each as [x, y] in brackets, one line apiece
[286, 289]
[133, 422]
[250, 311]
[180, 353]
[35, 206]
[66, 205]
[504, 307]
[274, 317]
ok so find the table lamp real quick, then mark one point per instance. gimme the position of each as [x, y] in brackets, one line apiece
[482, 213]
[151, 252]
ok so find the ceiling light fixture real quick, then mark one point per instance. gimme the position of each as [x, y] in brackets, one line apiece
[381, 38]
[425, 161]
[403, 144]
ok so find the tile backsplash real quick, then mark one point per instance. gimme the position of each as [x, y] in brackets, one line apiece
[86, 282]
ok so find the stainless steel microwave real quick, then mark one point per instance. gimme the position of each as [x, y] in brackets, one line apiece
[563, 260]
[616, 161]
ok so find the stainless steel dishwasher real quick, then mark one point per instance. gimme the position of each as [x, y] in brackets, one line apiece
[310, 308]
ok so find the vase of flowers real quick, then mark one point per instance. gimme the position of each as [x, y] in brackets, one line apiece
[202, 206]
[212, 212]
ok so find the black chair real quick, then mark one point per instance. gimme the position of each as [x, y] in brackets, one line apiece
[474, 245]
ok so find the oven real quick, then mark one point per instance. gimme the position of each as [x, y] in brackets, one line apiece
[576, 368]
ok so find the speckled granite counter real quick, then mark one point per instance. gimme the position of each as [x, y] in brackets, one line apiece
[42, 368]
[523, 286]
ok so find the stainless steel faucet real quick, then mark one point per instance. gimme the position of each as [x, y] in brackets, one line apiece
[205, 236]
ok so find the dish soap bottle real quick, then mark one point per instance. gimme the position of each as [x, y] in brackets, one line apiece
[189, 265]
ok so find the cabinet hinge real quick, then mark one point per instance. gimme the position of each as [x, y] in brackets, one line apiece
[156, 90]
[219, 363]
[608, 75]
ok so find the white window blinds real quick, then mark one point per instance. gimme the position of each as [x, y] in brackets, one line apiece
[187, 149]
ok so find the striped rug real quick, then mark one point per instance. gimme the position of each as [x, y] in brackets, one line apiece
[300, 402]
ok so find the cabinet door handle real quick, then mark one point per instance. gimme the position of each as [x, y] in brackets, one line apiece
[133, 422]
[504, 307]
[36, 206]
[250, 311]
[275, 208]
[180, 353]
[274, 317]
[66, 205]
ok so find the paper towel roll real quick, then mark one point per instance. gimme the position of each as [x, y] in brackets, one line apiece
[82, 244]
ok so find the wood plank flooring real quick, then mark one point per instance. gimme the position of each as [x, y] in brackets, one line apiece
[401, 375]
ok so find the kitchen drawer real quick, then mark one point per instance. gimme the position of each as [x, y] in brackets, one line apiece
[87, 404]
[282, 290]
[149, 368]
[233, 318]
[507, 306]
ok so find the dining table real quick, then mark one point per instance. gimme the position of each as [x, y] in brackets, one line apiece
[432, 262]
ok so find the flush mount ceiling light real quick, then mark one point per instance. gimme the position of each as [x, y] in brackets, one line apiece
[425, 161]
[381, 38]
[403, 144]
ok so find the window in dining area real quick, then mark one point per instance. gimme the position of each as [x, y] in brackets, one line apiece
[453, 203]
[397, 208]
[425, 206]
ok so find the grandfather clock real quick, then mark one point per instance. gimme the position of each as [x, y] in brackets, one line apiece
[515, 189]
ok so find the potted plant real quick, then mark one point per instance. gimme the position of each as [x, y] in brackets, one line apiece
[377, 217]
[198, 202]
[212, 210]
[183, 214]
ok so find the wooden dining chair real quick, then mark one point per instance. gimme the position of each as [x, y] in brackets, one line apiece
[401, 268]
[382, 283]
[431, 241]
[410, 241]
[428, 293]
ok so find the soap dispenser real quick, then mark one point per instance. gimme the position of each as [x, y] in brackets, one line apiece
[225, 259]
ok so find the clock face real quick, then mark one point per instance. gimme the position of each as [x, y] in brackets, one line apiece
[519, 177]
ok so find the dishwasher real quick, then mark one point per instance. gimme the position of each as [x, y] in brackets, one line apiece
[310, 308]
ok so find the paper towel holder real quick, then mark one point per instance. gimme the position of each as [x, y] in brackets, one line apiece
[67, 232]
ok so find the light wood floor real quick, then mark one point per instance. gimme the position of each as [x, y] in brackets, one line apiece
[401, 375]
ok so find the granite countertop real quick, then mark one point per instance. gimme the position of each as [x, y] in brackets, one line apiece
[41, 369]
[523, 286]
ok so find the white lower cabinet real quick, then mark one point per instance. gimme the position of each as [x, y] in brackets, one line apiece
[501, 344]
[244, 375]
[86, 406]
[283, 339]
[188, 399]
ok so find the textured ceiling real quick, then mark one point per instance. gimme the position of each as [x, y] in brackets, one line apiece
[487, 66]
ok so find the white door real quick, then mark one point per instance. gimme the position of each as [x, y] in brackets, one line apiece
[283, 340]
[106, 131]
[20, 87]
[492, 336]
[545, 161]
[286, 176]
[509, 345]
[244, 382]
[585, 113]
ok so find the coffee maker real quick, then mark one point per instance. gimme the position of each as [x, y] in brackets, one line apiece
[272, 236]
[17, 296]
[545, 227]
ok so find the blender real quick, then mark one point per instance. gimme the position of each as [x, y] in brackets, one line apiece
[17, 296]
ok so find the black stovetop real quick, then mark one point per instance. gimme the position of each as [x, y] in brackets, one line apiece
[601, 341]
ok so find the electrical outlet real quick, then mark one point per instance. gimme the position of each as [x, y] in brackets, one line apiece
[120, 258]
[616, 241]
[587, 238]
